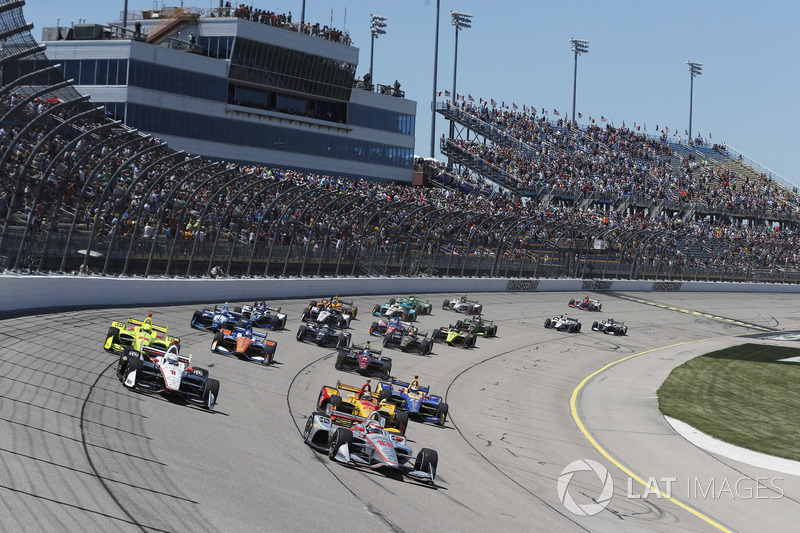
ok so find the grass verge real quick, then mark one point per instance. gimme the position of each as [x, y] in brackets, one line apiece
[742, 395]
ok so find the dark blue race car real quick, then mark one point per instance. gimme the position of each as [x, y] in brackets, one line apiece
[415, 400]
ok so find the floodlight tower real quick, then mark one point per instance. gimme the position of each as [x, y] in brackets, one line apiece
[378, 23]
[579, 46]
[695, 69]
[435, 73]
[460, 21]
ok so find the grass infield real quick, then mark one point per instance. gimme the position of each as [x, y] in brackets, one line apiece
[742, 395]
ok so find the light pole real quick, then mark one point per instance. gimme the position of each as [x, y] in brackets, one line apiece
[377, 29]
[460, 21]
[579, 46]
[435, 69]
[695, 69]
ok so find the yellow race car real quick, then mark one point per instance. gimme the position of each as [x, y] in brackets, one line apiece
[141, 335]
[361, 402]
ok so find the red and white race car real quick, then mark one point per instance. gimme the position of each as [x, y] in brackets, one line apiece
[587, 304]
[463, 305]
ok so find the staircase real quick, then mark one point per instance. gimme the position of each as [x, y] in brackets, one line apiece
[166, 26]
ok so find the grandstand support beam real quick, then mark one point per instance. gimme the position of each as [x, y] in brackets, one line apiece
[594, 234]
[361, 237]
[471, 238]
[42, 179]
[367, 208]
[247, 206]
[445, 219]
[115, 236]
[388, 251]
[111, 183]
[52, 69]
[225, 222]
[514, 242]
[267, 210]
[624, 247]
[501, 244]
[326, 242]
[543, 243]
[163, 210]
[31, 97]
[467, 224]
[191, 196]
[662, 256]
[411, 236]
[10, 6]
[16, 31]
[39, 49]
[57, 204]
[278, 223]
[498, 221]
[299, 224]
[145, 197]
[90, 179]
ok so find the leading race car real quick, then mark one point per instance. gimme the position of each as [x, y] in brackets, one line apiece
[137, 334]
[360, 402]
[563, 323]
[323, 335]
[423, 307]
[261, 315]
[414, 399]
[586, 304]
[346, 308]
[463, 305]
[168, 372]
[217, 318]
[610, 326]
[408, 339]
[455, 337]
[387, 325]
[366, 442]
[395, 310]
[364, 360]
[244, 342]
[478, 326]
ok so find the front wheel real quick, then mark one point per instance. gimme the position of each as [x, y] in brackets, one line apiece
[446, 304]
[301, 333]
[211, 393]
[548, 323]
[269, 353]
[441, 413]
[427, 461]
[341, 437]
[219, 337]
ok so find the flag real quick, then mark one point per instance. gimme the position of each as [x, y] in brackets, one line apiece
[686, 132]
[603, 118]
[447, 94]
[544, 112]
[580, 115]
[494, 104]
[470, 98]
[440, 93]
[645, 126]
[524, 108]
[555, 112]
[623, 123]
[514, 105]
[710, 137]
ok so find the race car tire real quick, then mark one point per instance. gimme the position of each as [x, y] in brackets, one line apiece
[280, 324]
[570, 328]
[386, 340]
[577, 328]
[218, 338]
[491, 331]
[373, 329]
[624, 331]
[392, 301]
[122, 365]
[237, 309]
[340, 358]
[341, 437]
[425, 346]
[301, 332]
[401, 421]
[595, 326]
[341, 342]
[241, 324]
[376, 309]
[211, 393]
[196, 318]
[312, 303]
[305, 314]
[472, 340]
[446, 304]
[548, 323]
[307, 429]
[427, 461]
[572, 303]
[134, 365]
[336, 402]
[599, 307]
[460, 324]
[200, 372]
[269, 353]
[387, 374]
[113, 333]
[385, 393]
[470, 309]
[441, 412]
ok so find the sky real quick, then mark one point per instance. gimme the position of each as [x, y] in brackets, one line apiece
[518, 51]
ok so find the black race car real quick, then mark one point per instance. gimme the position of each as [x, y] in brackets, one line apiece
[323, 335]
[409, 340]
[610, 326]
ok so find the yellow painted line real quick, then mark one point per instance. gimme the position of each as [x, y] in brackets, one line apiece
[574, 409]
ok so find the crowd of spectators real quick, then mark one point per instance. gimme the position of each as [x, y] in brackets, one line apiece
[144, 190]
[284, 20]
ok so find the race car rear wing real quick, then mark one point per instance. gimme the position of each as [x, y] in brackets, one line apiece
[360, 348]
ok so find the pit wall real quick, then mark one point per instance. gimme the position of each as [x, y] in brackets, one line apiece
[31, 294]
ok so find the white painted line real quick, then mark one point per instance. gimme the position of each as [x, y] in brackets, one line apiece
[743, 455]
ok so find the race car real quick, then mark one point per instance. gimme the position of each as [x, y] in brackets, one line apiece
[587, 304]
[478, 326]
[364, 360]
[346, 308]
[366, 442]
[610, 326]
[323, 335]
[455, 337]
[423, 307]
[261, 315]
[395, 310]
[408, 339]
[414, 399]
[563, 323]
[244, 342]
[360, 402]
[137, 334]
[168, 372]
[463, 305]
[217, 318]
[387, 325]
[327, 315]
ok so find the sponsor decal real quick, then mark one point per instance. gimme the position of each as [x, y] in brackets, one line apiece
[596, 285]
[667, 285]
[522, 285]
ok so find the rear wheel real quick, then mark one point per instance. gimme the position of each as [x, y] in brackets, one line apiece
[401, 421]
[441, 413]
[301, 333]
[341, 437]
[427, 461]
[387, 372]
[392, 301]
[425, 346]
[237, 309]
[460, 324]
[336, 402]
[571, 303]
[211, 393]
[595, 325]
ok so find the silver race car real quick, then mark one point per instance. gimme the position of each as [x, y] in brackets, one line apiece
[563, 323]
[366, 442]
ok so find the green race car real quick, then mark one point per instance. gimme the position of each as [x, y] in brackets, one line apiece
[455, 337]
[478, 326]
[138, 334]
[423, 307]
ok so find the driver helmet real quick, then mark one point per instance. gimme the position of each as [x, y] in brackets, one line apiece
[172, 359]
[413, 389]
[464, 298]
[248, 331]
[367, 351]
[373, 427]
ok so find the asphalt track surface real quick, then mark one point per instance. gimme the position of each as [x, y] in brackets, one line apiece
[79, 452]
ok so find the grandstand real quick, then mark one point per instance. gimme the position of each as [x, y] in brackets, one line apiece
[521, 197]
